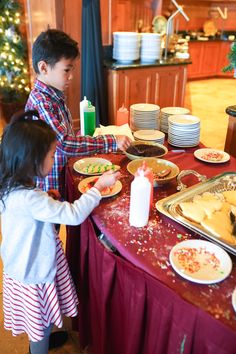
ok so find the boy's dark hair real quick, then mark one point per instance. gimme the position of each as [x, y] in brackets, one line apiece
[25, 144]
[51, 46]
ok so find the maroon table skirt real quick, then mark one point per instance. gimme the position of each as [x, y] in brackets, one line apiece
[125, 310]
[130, 304]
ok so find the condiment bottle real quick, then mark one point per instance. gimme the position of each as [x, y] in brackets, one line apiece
[83, 104]
[139, 201]
[89, 119]
[122, 116]
[149, 174]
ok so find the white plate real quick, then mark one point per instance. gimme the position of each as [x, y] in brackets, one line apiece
[149, 134]
[184, 119]
[203, 155]
[80, 165]
[234, 299]
[200, 261]
[174, 110]
[115, 189]
[144, 107]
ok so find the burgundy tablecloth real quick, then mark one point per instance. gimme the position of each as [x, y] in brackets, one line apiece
[135, 302]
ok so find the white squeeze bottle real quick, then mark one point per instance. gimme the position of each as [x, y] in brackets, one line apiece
[139, 201]
[83, 105]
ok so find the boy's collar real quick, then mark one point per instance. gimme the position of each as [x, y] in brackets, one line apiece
[49, 89]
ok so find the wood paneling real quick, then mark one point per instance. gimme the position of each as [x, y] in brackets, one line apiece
[72, 26]
[124, 15]
[164, 86]
[41, 14]
[208, 59]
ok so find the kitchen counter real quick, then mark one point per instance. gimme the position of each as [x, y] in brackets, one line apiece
[115, 65]
[210, 40]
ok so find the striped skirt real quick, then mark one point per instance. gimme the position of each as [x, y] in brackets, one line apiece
[31, 308]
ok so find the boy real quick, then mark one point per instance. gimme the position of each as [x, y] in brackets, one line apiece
[54, 55]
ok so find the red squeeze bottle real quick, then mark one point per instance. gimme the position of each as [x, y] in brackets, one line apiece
[122, 116]
[149, 174]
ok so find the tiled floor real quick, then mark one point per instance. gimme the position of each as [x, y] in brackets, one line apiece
[206, 99]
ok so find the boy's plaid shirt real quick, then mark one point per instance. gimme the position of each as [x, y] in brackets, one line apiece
[50, 104]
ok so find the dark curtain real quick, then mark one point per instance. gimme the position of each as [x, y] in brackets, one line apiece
[93, 84]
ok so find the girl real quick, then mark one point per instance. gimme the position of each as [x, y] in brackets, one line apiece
[37, 284]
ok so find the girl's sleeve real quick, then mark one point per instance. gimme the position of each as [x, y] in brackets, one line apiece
[46, 209]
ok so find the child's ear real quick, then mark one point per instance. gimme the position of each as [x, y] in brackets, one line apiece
[43, 67]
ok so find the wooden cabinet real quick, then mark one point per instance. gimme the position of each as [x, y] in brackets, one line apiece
[164, 86]
[208, 59]
[195, 51]
[210, 56]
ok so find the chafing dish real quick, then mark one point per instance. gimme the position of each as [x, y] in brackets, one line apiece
[170, 206]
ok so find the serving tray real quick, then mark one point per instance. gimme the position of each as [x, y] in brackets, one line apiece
[170, 206]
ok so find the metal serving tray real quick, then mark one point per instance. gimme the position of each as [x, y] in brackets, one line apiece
[170, 206]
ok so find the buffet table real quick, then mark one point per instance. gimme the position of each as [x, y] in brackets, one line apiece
[131, 300]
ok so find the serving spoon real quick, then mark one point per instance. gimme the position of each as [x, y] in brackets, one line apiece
[163, 173]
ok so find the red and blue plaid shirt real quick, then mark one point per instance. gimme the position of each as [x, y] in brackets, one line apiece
[50, 104]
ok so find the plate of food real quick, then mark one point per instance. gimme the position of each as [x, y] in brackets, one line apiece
[141, 149]
[89, 182]
[159, 24]
[91, 166]
[164, 171]
[200, 261]
[211, 155]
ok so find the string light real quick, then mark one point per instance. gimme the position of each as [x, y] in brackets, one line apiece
[14, 75]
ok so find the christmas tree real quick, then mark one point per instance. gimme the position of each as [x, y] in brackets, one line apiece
[232, 59]
[14, 74]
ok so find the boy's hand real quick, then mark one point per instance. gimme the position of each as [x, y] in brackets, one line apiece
[123, 142]
[106, 180]
[54, 193]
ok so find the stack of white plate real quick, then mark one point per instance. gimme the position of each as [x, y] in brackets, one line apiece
[184, 130]
[150, 47]
[126, 46]
[154, 136]
[166, 112]
[144, 116]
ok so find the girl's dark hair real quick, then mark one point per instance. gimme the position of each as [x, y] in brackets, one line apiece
[51, 46]
[24, 146]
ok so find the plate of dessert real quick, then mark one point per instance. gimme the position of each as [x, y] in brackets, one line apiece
[89, 182]
[94, 166]
[200, 261]
[212, 155]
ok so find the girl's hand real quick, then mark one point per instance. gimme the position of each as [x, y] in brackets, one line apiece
[54, 193]
[106, 180]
